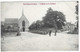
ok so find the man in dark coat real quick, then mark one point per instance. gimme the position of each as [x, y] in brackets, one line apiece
[18, 32]
[50, 32]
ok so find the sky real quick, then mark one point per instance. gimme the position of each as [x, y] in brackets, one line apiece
[35, 12]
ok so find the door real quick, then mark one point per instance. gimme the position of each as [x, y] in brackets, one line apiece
[23, 26]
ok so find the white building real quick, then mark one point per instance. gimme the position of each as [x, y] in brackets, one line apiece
[23, 23]
[14, 23]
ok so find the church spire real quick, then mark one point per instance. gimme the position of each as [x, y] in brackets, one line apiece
[22, 12]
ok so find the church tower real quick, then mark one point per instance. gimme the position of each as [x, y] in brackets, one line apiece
[23, 23]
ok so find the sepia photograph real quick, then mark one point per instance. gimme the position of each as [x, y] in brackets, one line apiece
[39, 26]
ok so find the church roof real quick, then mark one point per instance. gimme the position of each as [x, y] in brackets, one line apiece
[11, 20]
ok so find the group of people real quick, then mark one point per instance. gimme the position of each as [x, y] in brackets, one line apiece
[18, 33]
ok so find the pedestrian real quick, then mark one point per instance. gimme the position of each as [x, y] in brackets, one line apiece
[50, 32]
[18, 32]
[55, 32]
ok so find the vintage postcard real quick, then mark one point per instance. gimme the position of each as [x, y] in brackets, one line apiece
[39, 26]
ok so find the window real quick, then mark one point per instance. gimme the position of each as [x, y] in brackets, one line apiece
[23, 23]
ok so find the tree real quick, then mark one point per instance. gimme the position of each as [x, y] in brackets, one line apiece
[2, 29]
[36, 25]
[75, 31]
[77, 14]
[32, 26]
[77, 8]
[39, 24]
[51, 15]
[54, 19]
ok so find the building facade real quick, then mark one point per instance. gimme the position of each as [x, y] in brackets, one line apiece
[69, 27]
[15, 24]
[23, 23]
[11, 24]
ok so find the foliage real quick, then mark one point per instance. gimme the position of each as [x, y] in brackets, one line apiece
[52, 19]
[75, 31]
[36, 25]
[76, 7]
[2, 29]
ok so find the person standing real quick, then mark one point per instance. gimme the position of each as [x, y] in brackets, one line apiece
[50, 32]
[18, 32]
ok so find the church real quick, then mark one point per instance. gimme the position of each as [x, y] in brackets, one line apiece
[15, 24]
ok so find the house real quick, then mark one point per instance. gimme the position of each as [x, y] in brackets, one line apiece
[15, 24]
[2, 23]
[11, 24]
[69, 27]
